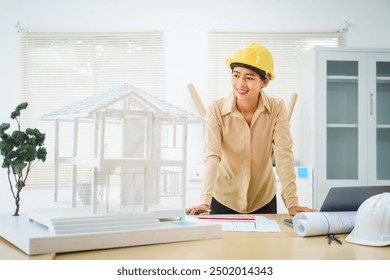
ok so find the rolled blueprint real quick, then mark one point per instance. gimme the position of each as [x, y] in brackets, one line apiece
[322, 223]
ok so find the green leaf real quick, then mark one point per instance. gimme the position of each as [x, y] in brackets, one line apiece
[18, 108]
[27, 153]
[19, 137]
[41, 154]
[37, 138]
[6, 147]
[3, 128]
[18, 165]
[6, 163]
[12, 154]
[20, 185]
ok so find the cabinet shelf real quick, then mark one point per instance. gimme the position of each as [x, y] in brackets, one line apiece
[342, 79]
[384, 126]
[341, 125]
[383, 80]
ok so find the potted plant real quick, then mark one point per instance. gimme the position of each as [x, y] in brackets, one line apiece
[20, 150]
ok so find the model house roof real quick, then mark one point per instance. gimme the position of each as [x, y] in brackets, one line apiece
[124, 98]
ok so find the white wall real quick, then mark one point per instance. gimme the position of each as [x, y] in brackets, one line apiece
[186, 24]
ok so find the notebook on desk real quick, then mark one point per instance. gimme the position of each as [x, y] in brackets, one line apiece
[349, 198]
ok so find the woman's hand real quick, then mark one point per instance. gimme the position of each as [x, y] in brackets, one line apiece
[202, 209]
[292, 211]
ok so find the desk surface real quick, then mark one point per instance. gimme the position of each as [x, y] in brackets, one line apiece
[10, 252]
[283, 245]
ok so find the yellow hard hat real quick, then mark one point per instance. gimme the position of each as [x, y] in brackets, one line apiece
[253, 55]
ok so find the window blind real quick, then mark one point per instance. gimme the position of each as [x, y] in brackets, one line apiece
[287, 50]
[58, 69]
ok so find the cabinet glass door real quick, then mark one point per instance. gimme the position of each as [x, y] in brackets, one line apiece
[382, 119]
[342, 120]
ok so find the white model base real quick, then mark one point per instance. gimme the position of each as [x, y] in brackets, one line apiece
[34, 238]
[76, 220]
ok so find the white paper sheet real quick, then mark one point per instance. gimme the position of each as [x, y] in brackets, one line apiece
[244, 223]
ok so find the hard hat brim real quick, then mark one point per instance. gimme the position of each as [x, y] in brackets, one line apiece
[352, 238]
[229, 61]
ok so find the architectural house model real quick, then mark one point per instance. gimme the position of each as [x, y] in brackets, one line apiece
[137, 152]
[127, 168]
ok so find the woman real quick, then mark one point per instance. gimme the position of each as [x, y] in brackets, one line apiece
[242, 130]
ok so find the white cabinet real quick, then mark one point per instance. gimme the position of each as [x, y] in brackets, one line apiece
[346, 108]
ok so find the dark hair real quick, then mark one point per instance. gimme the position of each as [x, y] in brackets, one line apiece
[261, 73]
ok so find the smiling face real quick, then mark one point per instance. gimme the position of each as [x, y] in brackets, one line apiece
[246, 84]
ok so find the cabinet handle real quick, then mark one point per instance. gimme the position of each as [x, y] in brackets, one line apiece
[371, 103]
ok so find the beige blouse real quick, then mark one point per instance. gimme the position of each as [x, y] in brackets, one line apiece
[238, 164]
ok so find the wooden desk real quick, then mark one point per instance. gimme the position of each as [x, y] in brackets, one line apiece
[284, 245]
